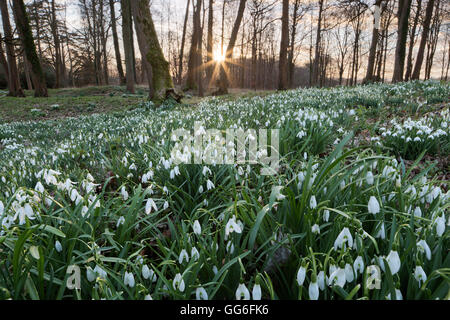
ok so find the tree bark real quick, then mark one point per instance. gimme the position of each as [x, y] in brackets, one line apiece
[193, 63]
[3, 61]
[161, 82]
[183, 41]
[209, 42]
[223, 82]
[373, 45]
[15, 90]
[404, 9]
[282, 61]
[116, 43]
[412, 37]
[127, 44]
[423, 40]
[315, 71]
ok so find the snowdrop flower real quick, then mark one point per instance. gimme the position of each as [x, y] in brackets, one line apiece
[232, 226]
[58, 246]
[337, 278]
[393, 261]
[128, 279]
[200, 189]
[150, 205]
[277, 193]
[398, 295]
[358, 265]
[315, 229]
[124, 194]
[301, 274]
[326, 215]
[342, 238]
[349, 276]
[201, 294]
[440, 225]
[146, 272]
[418, 212]
[166, 205]
[321, 280]
[120, 221]
[242, 292]
[178, 282]
[373, 206]
[39, 187]
[195, 254]
[148, 297]
[420, 275]
[197, 227]
[256, 292]
[381, 233]
[209, 185]
[183, 255]
[2, 208]
[313, 291]
[230, 247]
[423, 246]
[90, 274]
[313, 202]
[369, 178]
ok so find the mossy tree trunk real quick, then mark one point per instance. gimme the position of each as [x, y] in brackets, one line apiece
[160, 81]
[127, 44]
[26, 36]
[15, 90]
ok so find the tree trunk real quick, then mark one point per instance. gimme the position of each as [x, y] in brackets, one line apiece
[26, 68]
[282, 61]
[15, 90]
[412, 41]
[26, 35]
[54, 30]
[223, 82]
[423, 40]
[183, 41]
[291, 65]
[193, 66]
[315, 71]
[161, 82]
[373, 45]
[404, 8]
[116, 43]
[209, 43]
[3, 61]
[127, 44]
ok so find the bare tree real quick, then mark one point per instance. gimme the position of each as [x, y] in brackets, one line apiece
[127, 43]
[116, 42]
[404, 9]
[282, 73]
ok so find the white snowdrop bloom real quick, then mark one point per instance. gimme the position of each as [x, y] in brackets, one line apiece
[313, 291]
[100, 272]
[150, 205]
[197, 227]
[326, 215]
[124, 194]
[440, 225]
[343, 237]
[90, 274]
[206, 171]
[256, 292]
[195, 254]
[321, 280]
[277, 193]
[393, 261]
[148, 297]
[200, 189]
[369, 178]
[381, 232]
[315, 229]
[313, 202]
[58, 246]
[358, 265]
[178, 282]
[209, 185]
[301, 274]
[201, 294]
[242, 292]
[120, 221]
[73, 195]
[230, 247]
[342, 185]
[215, 270]
[337, 278]
[146, 272]
[232, 226]
[418, 212]
[373, 206]
[398, 295]
[422, 245]
[2, 208]
[420, 275]
[349, 276]
[436, 192]
[128, 279]
[39, 187]
[183, 256]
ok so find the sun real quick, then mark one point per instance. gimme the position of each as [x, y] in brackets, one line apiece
[219, 55]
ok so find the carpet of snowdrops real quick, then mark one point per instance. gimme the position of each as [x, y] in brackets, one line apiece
[341, 219]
